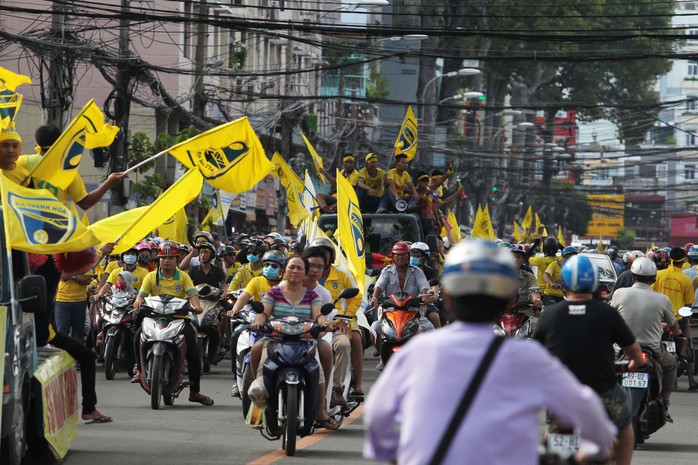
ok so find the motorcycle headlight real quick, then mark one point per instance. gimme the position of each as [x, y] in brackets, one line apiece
[171, 332]
[498, 331]
[387, 328]
[291, 328]
[524, 331]
[148, 328]
[411, 326]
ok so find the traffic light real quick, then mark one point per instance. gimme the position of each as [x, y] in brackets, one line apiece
[494, 192]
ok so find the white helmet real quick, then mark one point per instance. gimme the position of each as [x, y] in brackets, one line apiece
[420, 246]
[634, 255]
[478, 267]
[643, 266]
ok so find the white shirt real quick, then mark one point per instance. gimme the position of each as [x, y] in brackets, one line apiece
[424, 382]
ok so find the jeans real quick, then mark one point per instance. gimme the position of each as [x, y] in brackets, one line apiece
[86, 359]
[70, 318]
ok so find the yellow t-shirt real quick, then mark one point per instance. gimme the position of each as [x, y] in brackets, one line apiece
[677, 286]
[243, 277]
[258, 287]
[685, 266]
[179, 285]
[25, 163]
[111, 266]
[138, 276]
[72, 291]
[542, 264]
[374, 183]
[353, 178]
[555, 272]
[400, 181]
[231, 270]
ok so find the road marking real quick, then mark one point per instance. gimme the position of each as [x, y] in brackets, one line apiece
[307, 441]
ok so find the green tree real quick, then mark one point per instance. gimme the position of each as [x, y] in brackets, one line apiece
[625, 238]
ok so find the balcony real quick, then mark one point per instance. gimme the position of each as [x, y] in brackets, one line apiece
[330, 86]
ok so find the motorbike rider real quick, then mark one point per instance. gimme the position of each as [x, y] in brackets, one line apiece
[626, 278]
[419, 254]
[431, 373]
[170, 280]
[192, 258]
[401, 277]
[206, 272]
[253, 268]
[230, 262]
[273, 263]
[553, 277]
[335, 279]
[526, 279]
[550, 247]
[616, 260]
[644, 311]
[679, 288]
[130, 264]
[581, 331]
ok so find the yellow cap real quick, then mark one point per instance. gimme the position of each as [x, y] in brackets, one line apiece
[9, 133]
[371, 156]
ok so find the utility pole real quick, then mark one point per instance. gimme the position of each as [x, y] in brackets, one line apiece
[200, 99]
[53, 101]
[286, 133]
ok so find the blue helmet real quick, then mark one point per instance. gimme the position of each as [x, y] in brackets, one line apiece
[568, 250]
[693, 252]
[580, 275]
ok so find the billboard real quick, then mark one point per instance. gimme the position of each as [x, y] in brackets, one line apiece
[607, 217]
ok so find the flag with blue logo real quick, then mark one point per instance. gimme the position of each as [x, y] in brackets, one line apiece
[350, 229]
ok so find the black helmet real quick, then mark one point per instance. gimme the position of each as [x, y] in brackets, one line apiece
[327, 245]
[275, 256]
[209, 246]
[550, 245]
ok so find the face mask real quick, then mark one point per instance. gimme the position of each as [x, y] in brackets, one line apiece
[270, 273]
[252, 258]
[414, 261]
[130, 259]
[143, 260]
[120, 285]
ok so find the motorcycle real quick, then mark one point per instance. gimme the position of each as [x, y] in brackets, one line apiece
[399, 322]
[291, 376]
[207, 325]
[117, 333]
[517, 321]
[163, 348]
[243, 340]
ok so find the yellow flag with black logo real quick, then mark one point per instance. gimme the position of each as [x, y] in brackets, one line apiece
[406, 143]
[36, 221]
[10, 101]
[317, 161]
[350, 229]
[175, 228]
[229, 156]
[293, 186]
[59, 165]
[129, 227]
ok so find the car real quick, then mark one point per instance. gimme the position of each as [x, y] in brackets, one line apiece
[607, 274]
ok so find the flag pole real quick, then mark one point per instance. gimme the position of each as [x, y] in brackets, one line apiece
[147, 160]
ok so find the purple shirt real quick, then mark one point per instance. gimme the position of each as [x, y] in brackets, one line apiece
[424, 382]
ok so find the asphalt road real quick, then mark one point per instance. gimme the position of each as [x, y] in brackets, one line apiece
[193, 434]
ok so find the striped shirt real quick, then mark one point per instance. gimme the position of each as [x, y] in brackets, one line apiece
[282, 307]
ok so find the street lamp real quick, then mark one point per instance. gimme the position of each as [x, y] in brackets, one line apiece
[460, 72]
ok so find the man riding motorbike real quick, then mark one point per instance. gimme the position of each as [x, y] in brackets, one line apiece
[553, 277]
[206, 272]
[526, 279]
[550, 248]
[252, 268]
[130, 261]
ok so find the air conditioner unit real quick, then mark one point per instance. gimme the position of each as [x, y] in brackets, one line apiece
[275, 3]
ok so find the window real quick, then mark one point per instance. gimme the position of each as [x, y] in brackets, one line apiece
[691, 103]
[690, 139]
[689, 172]
[186, 46]
[692, 69]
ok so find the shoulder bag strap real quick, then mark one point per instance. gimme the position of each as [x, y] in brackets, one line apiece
[466, 401]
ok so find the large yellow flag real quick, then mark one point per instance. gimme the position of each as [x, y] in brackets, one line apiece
[294, 188]
[317, 161]
[88, 130]
[350, 227]
[487, 222]
[538, 223]
[528, 219]
[518, 234]
[175, 228]
[480, 230]
[229, 156]
[560, 235]
[36, 221]
[455, 228]
[10, 81]
[127, 228]
[10, 101]
[406, 143]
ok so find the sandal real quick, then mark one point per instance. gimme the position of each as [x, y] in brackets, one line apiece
[97, 420]
[693, 388]
[201, 399]
[329, 423]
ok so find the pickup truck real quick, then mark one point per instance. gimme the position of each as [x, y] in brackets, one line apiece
[23, 416]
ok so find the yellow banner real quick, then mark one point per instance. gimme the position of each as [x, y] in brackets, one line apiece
[317, 161]
[294, 188]
[175, 228]
[528, 219]
[608, 211]
[406, 143]
[59, 394]
[350, 226]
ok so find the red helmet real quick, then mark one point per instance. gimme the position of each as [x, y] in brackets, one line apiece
[168, 249]
[687, 247]
[401, 247]
[153, 245]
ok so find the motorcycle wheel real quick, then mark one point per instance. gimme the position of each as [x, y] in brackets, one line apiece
[386, 352]
[366, 340]
[639, 439]
[156, 383]
[111, 363]
[246, 381]
[168, 400]
[291, 426]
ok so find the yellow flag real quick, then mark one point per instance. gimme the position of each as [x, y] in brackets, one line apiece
[538, 224]
[350, 227]
[455, 229]
[85, 219]
[60, 163]
[560, 235]
[406, 143]
[528, 219]
[480, 225]
[317, 161]
[518, 234]
[488, 225]
[229, 156]
[36, 221]
[10, 81]
[10, 101]
[150, 217]
[293, 186]
[600, 246]
[175, 228]
[217, 208]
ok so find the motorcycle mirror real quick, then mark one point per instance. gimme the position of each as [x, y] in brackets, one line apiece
[348, 293]
[434, 282]
[205, 290]
[257, 306]
[685, 312]
[326, 309]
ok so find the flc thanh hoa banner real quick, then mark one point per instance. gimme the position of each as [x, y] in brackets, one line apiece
[608, 212]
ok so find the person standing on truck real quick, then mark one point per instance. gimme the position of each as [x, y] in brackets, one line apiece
[328, 203]
[400, 185]
[371, 184]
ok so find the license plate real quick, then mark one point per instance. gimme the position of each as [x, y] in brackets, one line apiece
[670, 346]
[635, 380]
[564, 445]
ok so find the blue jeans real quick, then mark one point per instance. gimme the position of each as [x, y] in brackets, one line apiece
[70, 318]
